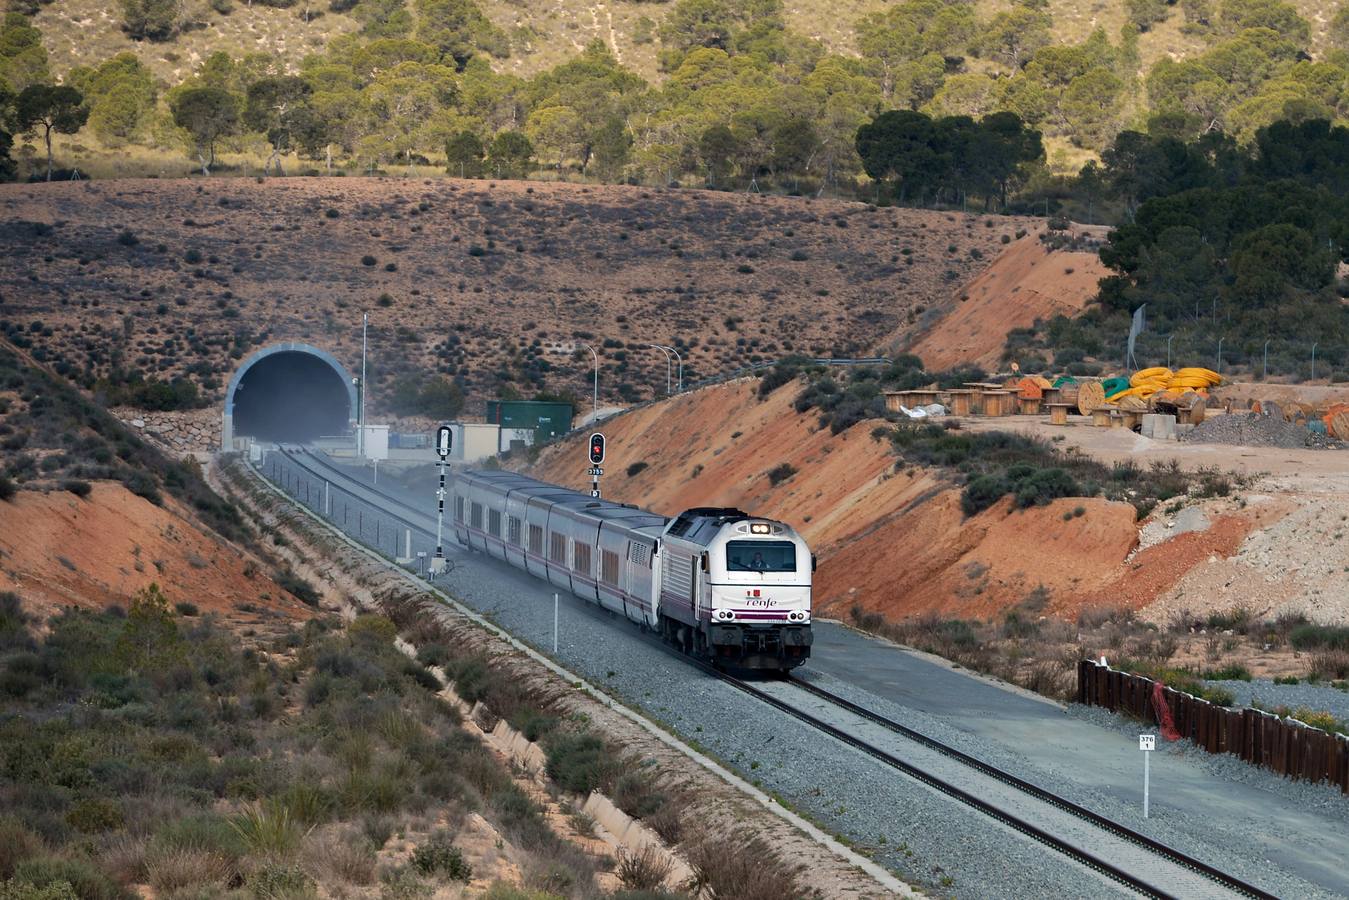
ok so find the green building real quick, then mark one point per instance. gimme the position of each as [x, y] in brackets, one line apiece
[547, 419]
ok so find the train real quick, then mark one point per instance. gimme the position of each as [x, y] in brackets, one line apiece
[717, 583]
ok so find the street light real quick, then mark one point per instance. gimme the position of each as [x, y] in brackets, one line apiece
[360, 442]
[665, 351]
[595, 396]
[679, 356]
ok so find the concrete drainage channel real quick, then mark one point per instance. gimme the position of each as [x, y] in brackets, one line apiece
[616, 827]
[1178, 879]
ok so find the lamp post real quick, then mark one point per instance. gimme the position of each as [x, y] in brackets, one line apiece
[679, 385]
[1314, 361]
[1169, 339]
[665, 351]
[1265, 376]
[595, 395]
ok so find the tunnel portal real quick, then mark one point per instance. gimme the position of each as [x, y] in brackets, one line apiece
[289, 392]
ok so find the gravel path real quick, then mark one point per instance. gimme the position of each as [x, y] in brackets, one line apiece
[923, 837]
[1318, 697]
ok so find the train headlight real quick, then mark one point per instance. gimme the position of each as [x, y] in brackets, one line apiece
[758, 528]
[725, 615]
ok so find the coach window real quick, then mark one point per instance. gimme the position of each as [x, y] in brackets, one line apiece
[557, 550]
[513, 530]
[475, 516]
[580, 555]
[536, 539]
[494, 522]
[609, 567]
[459, 509]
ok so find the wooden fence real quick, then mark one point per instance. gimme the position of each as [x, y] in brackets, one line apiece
[1286, 746]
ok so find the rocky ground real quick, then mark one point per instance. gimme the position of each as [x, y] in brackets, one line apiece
[495, 283]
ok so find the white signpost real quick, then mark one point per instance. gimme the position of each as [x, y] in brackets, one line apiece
[1147, 743]
[444, 442]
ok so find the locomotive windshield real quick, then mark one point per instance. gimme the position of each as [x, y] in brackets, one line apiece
[760, 556]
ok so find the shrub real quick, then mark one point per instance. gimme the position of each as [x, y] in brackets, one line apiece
[192, 257]
[51, 872]
[1228, 673]
[94, 815]
[268, 829]
[186, 609]
[368, 260]
[297, 587]
[79, 488]
[275, 881]
[17, 843]
[7, 488]
[438, 857]
[744, 869]
[176, 869]
[128, 239]
[780, 473]
[578, 762]
[636, 469]
[643, 871]
[981, 493]
[1316, 637]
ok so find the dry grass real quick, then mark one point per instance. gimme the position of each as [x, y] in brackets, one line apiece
[643, 871]
[341, 853]
[729, 867]
[176, 869]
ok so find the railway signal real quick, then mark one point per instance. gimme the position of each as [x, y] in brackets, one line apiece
[596, 453]
[444, 442]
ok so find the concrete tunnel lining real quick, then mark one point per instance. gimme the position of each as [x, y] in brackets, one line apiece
[271, 357]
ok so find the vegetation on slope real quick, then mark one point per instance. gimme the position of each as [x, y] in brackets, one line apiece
[141, 747]
[53, 436]
[1228, 247]
[740, 92]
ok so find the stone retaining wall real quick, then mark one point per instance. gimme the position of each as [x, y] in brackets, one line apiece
[188, 431]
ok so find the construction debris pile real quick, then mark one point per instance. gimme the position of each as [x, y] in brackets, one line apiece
[1258, 430]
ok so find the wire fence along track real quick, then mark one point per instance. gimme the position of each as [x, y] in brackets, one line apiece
[278, 465]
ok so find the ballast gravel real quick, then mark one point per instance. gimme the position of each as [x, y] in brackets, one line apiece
[1256, 430]
[1267, 695]
[925, 838]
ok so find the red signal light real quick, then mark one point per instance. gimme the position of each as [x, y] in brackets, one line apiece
[596, 448]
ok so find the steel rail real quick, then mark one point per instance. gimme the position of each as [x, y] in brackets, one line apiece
[1078, 854]
[1021, 784]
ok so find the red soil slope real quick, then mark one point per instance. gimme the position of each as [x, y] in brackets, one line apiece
[59, 550]
[1026, 282]
[888, 540]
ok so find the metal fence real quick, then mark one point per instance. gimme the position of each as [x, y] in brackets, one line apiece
[1286, 746]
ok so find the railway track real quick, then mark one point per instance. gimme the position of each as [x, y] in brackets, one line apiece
[1100, 844]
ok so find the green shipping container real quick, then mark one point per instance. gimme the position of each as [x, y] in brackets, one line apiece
[547, 419]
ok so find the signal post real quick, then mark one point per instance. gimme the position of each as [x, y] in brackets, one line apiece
[444, 441]
[596, 459]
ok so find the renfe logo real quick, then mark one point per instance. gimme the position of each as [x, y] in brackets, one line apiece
[752, 598]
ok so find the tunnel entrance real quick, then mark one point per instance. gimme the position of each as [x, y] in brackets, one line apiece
[290, 392]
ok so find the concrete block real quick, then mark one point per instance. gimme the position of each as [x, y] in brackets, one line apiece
[1158, 426]
[1183, 428]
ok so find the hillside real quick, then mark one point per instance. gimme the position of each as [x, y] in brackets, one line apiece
[1028, 282]
[893, 539]
[478, 281]
[541, 36]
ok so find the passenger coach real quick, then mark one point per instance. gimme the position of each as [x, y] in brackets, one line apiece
[719, 583]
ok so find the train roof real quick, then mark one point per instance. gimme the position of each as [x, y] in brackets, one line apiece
[627, 515]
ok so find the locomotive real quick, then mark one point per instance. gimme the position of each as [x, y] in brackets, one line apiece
[718, 583]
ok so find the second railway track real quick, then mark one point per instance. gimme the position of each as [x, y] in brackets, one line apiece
[1102, 845]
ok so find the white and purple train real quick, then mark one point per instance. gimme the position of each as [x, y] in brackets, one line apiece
[718, 583]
